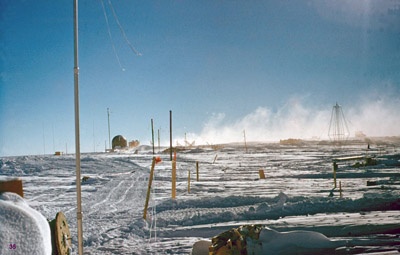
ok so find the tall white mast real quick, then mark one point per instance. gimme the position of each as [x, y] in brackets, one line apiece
[77, 139]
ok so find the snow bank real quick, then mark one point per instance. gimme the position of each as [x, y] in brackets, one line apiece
[237, 208]
[274, 242]
[22, 227]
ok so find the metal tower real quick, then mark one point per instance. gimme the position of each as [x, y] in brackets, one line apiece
[338, 130]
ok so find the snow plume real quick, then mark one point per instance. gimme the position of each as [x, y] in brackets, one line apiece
[376, 116]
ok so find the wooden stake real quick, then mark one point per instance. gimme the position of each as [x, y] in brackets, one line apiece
[335, 167]
[216, 155]
[189, 182]
[149, 187]
[340, 189]
[173, 179]
[197, 170]
[261, 173]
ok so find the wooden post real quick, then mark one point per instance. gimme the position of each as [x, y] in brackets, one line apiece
[197, 170]
[149, 187]
[14, 186]
[340, 189]
[189, 182]
[152, 134]
[216, 155]
[170, 134]
[261, 173]
[173, 179]
[335, 167]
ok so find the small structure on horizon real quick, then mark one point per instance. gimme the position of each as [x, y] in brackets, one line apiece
[119, 142]
[134, 143]
[359, 134]
[291, 141]
[338, 130]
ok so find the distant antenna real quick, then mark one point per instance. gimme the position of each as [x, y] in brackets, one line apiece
[109, 136]
[44, 141]
[158, 140]
[338, 130]
[94, 140]
[54, 146]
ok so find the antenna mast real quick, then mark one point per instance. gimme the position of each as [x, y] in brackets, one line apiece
[338, 130]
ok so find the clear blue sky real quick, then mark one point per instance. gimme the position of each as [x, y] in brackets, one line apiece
[199, 59]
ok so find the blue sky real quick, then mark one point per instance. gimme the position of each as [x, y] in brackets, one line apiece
[218, 65]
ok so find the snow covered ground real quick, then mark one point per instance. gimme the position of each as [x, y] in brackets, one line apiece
[294, 195]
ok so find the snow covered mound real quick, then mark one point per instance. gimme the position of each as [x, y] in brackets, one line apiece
[269, 242]
[23, 230]
[307, 242]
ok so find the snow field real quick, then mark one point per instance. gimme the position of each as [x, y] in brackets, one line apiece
[294, 196]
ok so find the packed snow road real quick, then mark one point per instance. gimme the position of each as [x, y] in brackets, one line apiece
[294, 196]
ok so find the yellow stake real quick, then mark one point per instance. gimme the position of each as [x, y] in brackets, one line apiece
[261, 173]
[148, 189]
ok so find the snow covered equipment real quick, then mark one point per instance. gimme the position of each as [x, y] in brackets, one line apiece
[60, 235]
[23, 230]
[234, 241]
[14, 186]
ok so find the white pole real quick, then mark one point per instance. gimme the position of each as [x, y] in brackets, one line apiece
[94, 140]
[44, 141]
[109, 137]
[54, 146]
[77, 139]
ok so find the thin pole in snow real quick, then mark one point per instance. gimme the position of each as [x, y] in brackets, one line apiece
[152, 135]
[94, 142]
[109, 136]
[54, 146]
[158, 140]
[44, 141]
[77, 138]
[170, 134]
